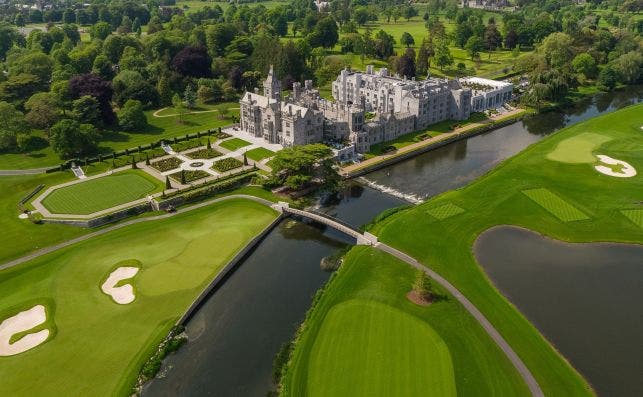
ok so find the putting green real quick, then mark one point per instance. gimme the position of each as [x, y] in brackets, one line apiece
[101, 193]
[365, 348]
[100, 346]
[579, 148]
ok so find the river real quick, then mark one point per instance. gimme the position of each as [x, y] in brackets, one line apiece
[235, 335]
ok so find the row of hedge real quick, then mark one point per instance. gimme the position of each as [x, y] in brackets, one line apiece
[151, 150]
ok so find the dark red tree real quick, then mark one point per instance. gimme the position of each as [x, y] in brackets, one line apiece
[193, 62]
[93, 85]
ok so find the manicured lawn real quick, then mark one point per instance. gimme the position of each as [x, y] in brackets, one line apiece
[365, 338]
[99, 346]
[611, 204]
[382, 368]
[234, 144]
[158, 128]
[259, 154]
[101, 193]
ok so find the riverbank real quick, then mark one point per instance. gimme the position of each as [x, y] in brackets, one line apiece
[406, 152]
[450, 223]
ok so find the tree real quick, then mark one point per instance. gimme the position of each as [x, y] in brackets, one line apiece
[422, 285]
[492, 38]
[422, 62]
[473, 46]
[12, 124]
[86, 110]
[93, 85]
[69, 138]
[43, 110]
[406, 64]
[168, 184]
[443, 55]
[325, 33]
[189, 97]
[19, 20]
[407, 40]
[629, 67]
[607, 78]
[585, 65]
[131, 117]
[296, 166]
[193, 62]
[361, 15]
[177, 102]
[103, 67]
[100, 30]
[383, 45]
[33, 63]
[9, 36]
[511, 39]
[130, 84]
[557, 49]
[224, 110]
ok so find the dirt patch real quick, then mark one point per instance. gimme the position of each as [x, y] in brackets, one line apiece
[414, 297]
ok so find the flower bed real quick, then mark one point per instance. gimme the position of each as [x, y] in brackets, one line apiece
[203, 154]
[227, 164]
[190, 176]
[167, 164]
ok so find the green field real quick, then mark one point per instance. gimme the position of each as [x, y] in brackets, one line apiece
[158, 128]
[365, 338]
[259, 154]
[394, 354]
[578, 149]
[101, 193]
[611, 204]
[99, 346]
[234, 144]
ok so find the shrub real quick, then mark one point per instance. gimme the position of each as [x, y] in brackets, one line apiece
[227, 164]
[203, 154]
[167, 164]
[188, 176]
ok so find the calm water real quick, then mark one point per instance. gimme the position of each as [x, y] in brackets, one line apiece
[237, 332]
[587, 299]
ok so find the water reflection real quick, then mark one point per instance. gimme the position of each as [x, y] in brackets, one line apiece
[585, 298]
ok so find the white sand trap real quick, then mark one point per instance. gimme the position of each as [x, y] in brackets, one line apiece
[21, 322]
[125, 293]
[627, 171]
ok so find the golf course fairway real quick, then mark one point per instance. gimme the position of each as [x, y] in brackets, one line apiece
[96, 346]
[552, 188]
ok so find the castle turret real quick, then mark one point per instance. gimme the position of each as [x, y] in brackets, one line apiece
[272, 86]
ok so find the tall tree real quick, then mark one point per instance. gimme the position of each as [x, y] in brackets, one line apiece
[443, 55]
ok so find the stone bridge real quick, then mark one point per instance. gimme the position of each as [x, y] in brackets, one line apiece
[364, 238]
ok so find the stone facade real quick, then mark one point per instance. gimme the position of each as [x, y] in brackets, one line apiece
[368, 108]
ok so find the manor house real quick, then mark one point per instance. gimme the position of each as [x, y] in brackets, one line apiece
[368, 108]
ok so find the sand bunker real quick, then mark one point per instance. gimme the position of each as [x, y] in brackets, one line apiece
[626, 171]
[125, 293]
[21, 322]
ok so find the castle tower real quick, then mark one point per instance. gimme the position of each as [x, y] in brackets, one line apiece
[272, 86]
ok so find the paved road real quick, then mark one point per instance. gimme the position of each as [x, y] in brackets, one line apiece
[522, 369]
[47, 250]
